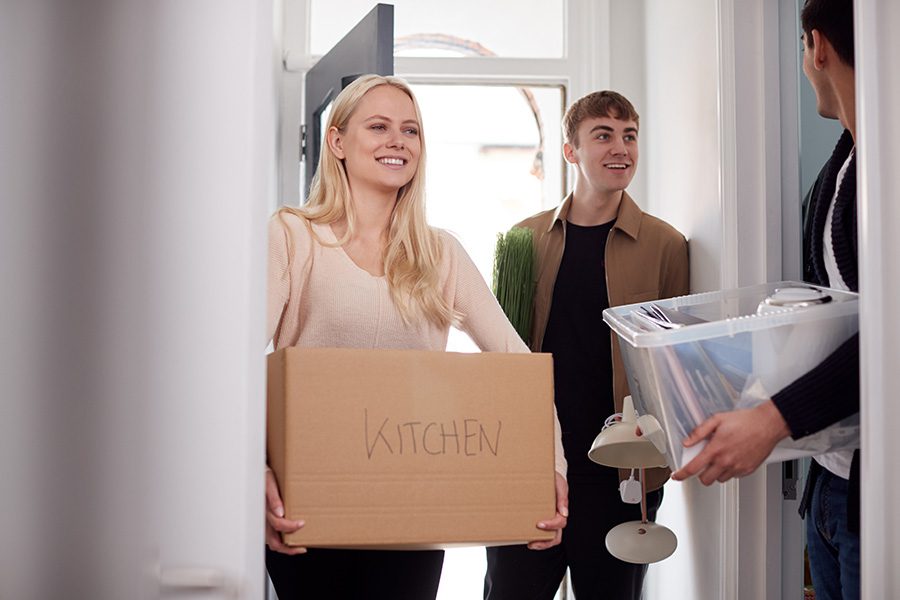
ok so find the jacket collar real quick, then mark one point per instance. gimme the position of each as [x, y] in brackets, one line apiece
[628, 219]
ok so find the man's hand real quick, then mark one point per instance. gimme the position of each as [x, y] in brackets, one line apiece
[738, 442]
[559, 521]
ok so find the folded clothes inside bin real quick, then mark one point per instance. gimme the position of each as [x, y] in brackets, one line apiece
[690, 357]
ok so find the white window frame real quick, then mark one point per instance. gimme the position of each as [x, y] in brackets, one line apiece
[584, 68]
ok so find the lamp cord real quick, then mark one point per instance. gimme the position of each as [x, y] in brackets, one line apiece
[612, 420]
[643, 498]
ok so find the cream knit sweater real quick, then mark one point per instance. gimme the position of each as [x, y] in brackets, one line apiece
[321, 298]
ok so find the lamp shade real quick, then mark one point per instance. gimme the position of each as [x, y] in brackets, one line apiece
[619, 446]
[641, 543]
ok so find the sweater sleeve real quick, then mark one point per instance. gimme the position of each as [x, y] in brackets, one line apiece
[481, 316]
[824, 395]
[278, 286]
[289, 264]
[483, 320]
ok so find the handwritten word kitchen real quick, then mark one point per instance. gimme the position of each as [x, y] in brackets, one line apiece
[467, 437]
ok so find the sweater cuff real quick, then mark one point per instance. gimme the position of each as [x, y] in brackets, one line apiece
[824, 395]
[560, 462]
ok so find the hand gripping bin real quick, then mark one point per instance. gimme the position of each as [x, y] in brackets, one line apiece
[732, 349]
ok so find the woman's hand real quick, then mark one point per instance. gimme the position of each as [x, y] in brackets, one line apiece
[276, 524]
[559, 521]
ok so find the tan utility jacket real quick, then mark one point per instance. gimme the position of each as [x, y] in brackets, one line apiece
[646, 259]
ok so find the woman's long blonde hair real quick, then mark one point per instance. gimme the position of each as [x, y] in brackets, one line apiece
[413, 252]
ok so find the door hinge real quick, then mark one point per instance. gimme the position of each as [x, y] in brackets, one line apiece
[789, 478]
[302, 143]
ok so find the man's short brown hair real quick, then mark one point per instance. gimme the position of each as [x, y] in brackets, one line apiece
[596, 105]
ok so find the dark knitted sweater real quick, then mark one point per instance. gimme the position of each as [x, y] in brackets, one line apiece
[830, 391]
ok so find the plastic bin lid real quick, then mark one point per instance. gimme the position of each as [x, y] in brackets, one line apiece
[800, 303]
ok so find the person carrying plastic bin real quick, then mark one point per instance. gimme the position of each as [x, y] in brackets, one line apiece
[596, 249]
[739, 441]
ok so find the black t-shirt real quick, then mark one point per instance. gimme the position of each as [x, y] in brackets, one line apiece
[580, 343]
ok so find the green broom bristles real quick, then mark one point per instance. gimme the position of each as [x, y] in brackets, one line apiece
[514, 278]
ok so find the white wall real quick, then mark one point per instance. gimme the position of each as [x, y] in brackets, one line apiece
[680, 137]
[213, 123]
[135, 148]
[713, 143]
[627, 48]
[681, 143]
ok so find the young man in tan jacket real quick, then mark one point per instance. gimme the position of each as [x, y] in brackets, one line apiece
[595, 250]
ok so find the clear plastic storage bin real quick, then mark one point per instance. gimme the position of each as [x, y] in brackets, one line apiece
[692, 356]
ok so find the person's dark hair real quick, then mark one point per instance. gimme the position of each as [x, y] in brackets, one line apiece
[834, 20]
[594, 106]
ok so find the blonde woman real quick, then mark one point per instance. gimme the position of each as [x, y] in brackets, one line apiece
[359, 267]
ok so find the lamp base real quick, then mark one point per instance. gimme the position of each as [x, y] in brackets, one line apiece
[641, 543]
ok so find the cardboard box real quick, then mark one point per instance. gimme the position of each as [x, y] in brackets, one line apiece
[412, 449]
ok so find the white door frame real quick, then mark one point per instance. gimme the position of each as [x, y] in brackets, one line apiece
[878, 132]
[760, 222]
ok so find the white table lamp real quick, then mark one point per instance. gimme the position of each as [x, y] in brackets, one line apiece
[618, 445]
